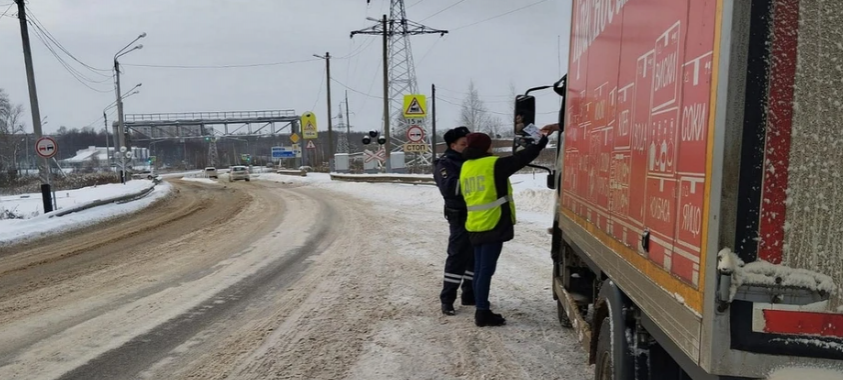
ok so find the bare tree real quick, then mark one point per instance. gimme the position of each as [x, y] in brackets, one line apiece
[476, 116]
[496, 127]
[11, 126]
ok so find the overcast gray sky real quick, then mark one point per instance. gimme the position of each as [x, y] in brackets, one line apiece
[522, 48]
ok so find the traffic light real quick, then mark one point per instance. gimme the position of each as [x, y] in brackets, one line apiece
[373, 134]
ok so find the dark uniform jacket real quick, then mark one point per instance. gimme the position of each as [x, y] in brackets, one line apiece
[447, 176]
[504, 168]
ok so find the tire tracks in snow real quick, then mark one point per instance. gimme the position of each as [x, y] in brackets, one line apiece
[143, 351]
[67, 312]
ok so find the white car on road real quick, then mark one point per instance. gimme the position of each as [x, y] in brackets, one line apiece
[238, 172]
[211, 172]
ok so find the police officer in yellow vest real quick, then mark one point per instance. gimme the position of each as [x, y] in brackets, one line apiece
[484, 184]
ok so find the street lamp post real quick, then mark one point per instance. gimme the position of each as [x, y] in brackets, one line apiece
[121, 126]
[129, 93]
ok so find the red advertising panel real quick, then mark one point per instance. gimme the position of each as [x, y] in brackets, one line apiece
[636, 140]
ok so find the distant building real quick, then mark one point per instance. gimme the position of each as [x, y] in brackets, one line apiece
[97, 156]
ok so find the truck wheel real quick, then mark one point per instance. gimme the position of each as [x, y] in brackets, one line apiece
[604, 366]
[562, 315]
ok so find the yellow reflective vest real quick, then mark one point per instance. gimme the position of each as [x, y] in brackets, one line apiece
[483, 203]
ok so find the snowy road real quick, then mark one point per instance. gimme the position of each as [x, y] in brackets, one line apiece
[262, 280]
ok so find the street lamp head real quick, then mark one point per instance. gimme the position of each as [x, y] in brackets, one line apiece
[140, 46]
[373, 19]
[142, 35]
[139, 84]
[318, 56]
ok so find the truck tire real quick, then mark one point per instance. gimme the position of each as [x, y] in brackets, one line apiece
[604, 366]
[564, 321]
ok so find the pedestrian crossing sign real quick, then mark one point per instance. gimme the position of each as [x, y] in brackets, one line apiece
[415, 106]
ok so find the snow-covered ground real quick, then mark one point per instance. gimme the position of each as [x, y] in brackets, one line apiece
[533, 200]
[35, 223]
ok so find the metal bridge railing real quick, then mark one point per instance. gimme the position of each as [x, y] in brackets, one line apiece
[210, 116]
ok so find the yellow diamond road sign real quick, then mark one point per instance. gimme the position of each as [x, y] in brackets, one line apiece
[294, 138]
[415, 106]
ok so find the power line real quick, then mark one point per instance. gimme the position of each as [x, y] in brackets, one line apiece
[7, 10]
[76, 75]
[489, 111]
[465, 93]
[428, 51]
[319, 93]
[235, 66]
[38, 25]
[442, 10]
[353, 90]
[361, 48]
[40, 34]
[371, 84]
[500, 15]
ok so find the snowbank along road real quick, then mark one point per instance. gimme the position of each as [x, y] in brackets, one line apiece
[270, 280]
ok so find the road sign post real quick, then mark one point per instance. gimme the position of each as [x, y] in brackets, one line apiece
[46, 148]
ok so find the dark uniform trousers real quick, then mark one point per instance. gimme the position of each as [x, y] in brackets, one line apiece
[459, 265]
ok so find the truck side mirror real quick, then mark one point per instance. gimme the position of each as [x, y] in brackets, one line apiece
[551, 180]
[525, 115]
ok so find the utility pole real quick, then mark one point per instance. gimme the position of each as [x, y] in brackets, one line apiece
[347, 119]
[331, 150]
[433, 115]
[122, 136]
[107, 153]
[121, 126]
[397, 56]
[43, 173]
[384, 32]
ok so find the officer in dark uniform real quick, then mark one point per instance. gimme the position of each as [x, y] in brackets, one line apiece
[459, 265]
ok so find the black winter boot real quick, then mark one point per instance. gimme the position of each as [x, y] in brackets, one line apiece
[448, 309]
[487, 318]
[468, 300]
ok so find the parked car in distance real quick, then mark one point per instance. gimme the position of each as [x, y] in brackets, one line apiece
[238, 172]
[147, 174]
[211, 172]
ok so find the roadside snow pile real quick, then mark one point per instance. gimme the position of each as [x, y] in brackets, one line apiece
[531, 194]
[801, 373]
[27, 206]
[764, 273]
[534, 200]
[18, 230]
[202, 180]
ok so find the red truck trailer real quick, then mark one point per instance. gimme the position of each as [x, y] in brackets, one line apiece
[698, 232]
